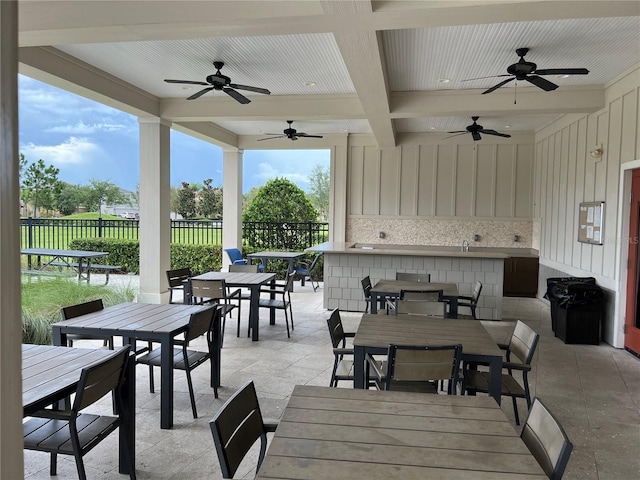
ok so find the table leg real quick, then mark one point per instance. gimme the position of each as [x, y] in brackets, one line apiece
[215, 355]
[59, 337]
[495, 378]
[358, 367]
[127, 432]
[254, 312]
[374, 303]
[166, 383]
[453, 307]
[88, 269]
[272, 311]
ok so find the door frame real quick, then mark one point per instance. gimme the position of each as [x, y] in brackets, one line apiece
[622, 255]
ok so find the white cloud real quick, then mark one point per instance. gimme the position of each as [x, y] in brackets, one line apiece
[266, 171]
[81, 128]
[75, 150]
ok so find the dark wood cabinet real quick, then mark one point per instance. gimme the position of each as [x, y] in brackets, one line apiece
[520, 277]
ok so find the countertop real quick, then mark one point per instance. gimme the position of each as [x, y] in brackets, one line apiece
[421, 250]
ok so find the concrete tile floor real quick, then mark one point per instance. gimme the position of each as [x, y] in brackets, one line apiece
[593, 390]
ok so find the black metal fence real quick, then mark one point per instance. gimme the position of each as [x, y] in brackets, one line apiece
[59, 232]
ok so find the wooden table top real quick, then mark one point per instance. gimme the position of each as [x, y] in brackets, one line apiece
[379, 331]
[393, 287]
[349, 434]
[238, 279]
[49, 372]
[63, 253]
[135, 317]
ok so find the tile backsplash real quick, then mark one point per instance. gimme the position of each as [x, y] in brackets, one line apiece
[491, 233]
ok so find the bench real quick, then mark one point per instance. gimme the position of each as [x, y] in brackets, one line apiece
[45, 273]
[94, 266]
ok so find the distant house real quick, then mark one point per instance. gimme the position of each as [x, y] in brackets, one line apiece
[128, 210]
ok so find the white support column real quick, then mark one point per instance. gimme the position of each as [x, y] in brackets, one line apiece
[155, 209]
[231, 200]
[338, 192]
[11, 463]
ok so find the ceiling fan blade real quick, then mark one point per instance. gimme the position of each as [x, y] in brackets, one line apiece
[200, 93]
[476, 136]
[482, 78]
[236, 95]
[495, 87]
[562, 71]
[543, 83]
[307, 135]
[271, 138]
[250, 88]
[189, 82]
[456, 135]
[493, 132]
[458, 131]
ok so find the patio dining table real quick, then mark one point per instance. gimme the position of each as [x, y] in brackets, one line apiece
[141, 321]
[376, 332]
[338, 433]
[290, 257]
[58, 258]
[50, 374]
[252, 281]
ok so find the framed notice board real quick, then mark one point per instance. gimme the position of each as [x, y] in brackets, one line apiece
[591, 222]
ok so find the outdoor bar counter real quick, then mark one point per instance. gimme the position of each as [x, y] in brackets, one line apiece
[345, 264]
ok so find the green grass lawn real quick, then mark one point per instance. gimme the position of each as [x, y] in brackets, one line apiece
[43, 299]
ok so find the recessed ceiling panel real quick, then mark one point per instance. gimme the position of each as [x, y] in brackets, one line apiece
[284, 64]
[418, 58]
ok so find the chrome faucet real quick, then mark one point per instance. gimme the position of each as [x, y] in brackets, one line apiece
[465, 246]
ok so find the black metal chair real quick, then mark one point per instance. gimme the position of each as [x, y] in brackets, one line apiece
[69, 432]
[200, 323]
[78, 310]
[176, 279]
[305, 270]
[418, 368]
[280, 299]
[522, 345]
[342, 368]
[471, 302]
[366, 290]
[546, 440]
[216, 291]
[236, 427]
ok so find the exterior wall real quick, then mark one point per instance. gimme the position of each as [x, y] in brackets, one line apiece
[430, 192]
[343, 272]
[566, 174]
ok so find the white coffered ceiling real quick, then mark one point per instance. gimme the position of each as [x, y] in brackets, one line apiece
[368, 67]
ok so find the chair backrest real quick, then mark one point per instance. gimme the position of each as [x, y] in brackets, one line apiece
[421, 307]
[79, 309]
[289, 285]
[476, 292]
[176, 277]
[209, 289]
[413, 277]
[421, 363]
[523, 342]
[366, 286]
[336, 332]
[547, 440]
[100, 378]
[236, 427]
[200, 323]
[423, 295]
[235, 255]
[243, 268]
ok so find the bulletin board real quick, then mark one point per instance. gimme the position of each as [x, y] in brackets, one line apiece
[591, 222]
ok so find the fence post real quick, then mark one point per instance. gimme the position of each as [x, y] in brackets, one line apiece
[310, 233]
[30, 232]
[99, 227]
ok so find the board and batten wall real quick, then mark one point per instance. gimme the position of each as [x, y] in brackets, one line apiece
[429, 192]
[566, 174]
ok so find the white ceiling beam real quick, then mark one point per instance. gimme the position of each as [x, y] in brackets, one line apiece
[530, 100]
[208, 132]
[56, 23]
[272, 107]
[54, 67]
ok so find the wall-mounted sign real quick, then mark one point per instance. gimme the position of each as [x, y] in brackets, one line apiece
[591, 222]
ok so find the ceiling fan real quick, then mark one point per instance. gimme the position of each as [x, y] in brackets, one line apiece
[528, 71]
[475, 130]
[290, 133]
[217, 81]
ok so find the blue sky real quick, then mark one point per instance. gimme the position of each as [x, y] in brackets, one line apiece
[86, 140]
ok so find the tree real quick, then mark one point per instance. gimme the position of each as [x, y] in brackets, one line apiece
[40, 184]
[319, 186]
[186, 201]
[70, 197]
[103, 192]
[248, 197]
[210, 204]
[277, 203]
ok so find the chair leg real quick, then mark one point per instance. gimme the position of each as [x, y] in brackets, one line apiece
[291, 312]
[515, 410]
[53, 464]
[191, 395]
[82, 475]
[263, 449]
[151, 384]
[286, 320]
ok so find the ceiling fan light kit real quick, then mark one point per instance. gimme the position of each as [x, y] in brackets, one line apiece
[218, 81]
